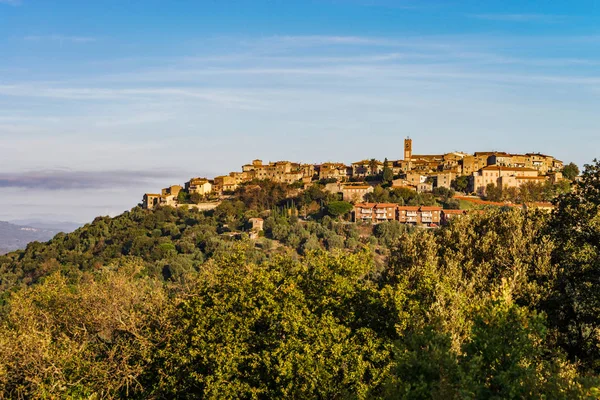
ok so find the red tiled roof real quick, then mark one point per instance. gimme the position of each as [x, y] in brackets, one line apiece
[496, 167]
[430, 208]
[385, 205]
[541, 178]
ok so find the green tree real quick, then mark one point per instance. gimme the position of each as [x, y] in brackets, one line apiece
[461, 183]
[570, 171]
[388, 174]
[506, 357]
[373, 166]
[493, 192]
[195, 198]
[573, 305]
[183, 197]
[339, 208]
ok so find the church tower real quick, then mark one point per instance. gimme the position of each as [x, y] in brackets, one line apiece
[407, 149]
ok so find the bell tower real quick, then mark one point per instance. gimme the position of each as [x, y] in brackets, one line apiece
[407, 149]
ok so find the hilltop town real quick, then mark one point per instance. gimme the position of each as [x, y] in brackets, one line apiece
[471, 174]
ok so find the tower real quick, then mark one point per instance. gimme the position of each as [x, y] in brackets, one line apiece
[407, 149]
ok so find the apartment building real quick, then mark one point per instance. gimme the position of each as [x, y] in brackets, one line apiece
[381, 212]
[375, 212]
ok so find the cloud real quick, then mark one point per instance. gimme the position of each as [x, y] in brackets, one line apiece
[60, 38]
[11, 2]
[222, 97]
[69, 179]
[546, 18]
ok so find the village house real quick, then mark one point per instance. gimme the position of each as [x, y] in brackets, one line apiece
[257, 225]
[424, 187]
[168, 200]
[224, 184]
[444, 179]
[351, 192]
[414, 178]
[279, 171]
[202, 186]
[171, 190]
[151, 200]
[504, 177]
[355, 192]
[337, 171]
[366, 168]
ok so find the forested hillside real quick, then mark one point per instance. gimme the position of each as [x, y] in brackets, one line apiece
[503, 303]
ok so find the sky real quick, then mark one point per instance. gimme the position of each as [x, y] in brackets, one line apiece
[101, 101]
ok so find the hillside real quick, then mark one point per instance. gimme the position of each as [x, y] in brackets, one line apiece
[178, 303]
[13, 237]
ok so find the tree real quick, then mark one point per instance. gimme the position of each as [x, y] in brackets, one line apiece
[195, 198]
[443, 193]
[506, 357]
[460, 184]
[573, 305]
[183, 197]
[493, 192]
[373, 164]
[339, 208]
[570, 171]
[378, 195]
[388, 174]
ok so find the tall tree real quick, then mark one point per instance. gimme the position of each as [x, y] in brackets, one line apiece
[373, 163]
[388, 174]
[574, 304]
[570, 171]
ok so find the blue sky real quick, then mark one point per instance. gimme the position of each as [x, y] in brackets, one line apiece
[101, 101]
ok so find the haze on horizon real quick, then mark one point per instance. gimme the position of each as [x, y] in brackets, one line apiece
[102, 101]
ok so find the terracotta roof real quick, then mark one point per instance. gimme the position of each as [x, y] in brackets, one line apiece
[365, 205]
[454, 211]
[367, 162]
[500, 168]
[431, 208]
[408, 208]
[385, 205]
[537, 178]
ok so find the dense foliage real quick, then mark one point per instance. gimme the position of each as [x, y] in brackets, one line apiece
[168, 304]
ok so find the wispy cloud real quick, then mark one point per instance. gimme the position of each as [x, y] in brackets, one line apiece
[222, 97]
[60, 38]
[68, 179]
[546, 18]
[11, 2]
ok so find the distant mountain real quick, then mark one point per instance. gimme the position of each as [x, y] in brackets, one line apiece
[14, 237]
[60, 226]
